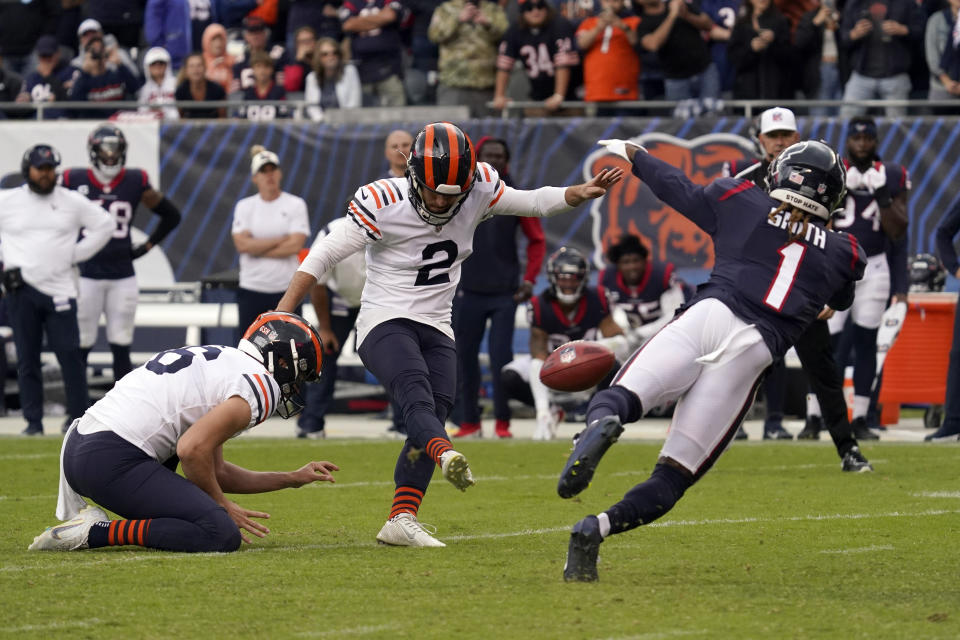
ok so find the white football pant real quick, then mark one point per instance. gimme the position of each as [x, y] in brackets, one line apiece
[117, 299]
[870, 300]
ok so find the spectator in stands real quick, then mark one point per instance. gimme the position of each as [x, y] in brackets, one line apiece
[11, 85]
[818, 47]
[39, 226]
[396, 148]
[374, 30]
[673, 31]
[90, 30]
[159, 89]
[332, 84]
[490, 288]
[21, 25]
[323, 16]
[942, 47]
[256, 34]
[946, 250]
[103, 78]
[551, 36]
[305, 47]
[877, 34]
[45, 83]
[724, 15]
[610, 62]
[201, 17]
[761, 53]
[420, 78]
[263, 88]
[269, 229]
[122, 18]
[576, 11]
[217, 62]
[194, 85]
[166, 23]
[467, 34]
[336, 301]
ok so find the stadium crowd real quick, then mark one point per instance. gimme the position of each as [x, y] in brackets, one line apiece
[351, 53]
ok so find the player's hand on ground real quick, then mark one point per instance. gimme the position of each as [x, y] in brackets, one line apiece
[594, 188]
[313, 472]
[244, 520]
[329, 340]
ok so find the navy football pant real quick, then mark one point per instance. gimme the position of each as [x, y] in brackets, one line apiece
[471, 312]
[251, 304]
[319, 395]
[417, 365]
[119, 476]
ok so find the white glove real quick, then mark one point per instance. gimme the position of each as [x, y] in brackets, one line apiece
[875, 178]
[545, 428]
[618, 147]
[854, 179]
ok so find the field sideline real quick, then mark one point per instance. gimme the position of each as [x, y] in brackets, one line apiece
[774, 542]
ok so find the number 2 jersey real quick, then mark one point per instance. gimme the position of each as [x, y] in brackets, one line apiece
[153, 405]
[120, 198]
[413, 267]
[776, 285]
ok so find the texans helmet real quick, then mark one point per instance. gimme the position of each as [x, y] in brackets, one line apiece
[566, 264]
[927, 273]
[809, 176]
[292, 352]
[107, 148]
[443, 161]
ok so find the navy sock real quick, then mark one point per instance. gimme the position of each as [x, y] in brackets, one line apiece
[865, 359]
[616, 401]
[649, 500]
[121, 360]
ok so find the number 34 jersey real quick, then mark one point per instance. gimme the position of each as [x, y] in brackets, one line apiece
[154, 405]
[120, 198]
[412, 267]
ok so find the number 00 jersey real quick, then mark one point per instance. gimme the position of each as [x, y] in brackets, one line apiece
[120, 198]
[153, 405]
[412, 267]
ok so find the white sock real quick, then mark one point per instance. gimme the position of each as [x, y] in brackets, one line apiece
[813, 405]
[860, 406]
[604, 524]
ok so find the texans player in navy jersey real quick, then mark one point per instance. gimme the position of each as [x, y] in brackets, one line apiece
[107, 282]
[568, 310]
[875, 212]
[776, 267]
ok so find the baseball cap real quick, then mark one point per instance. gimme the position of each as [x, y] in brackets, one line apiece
[865, 126]
[88, 25]
[777, 119]
[254, 23]
[42, 155]
[263, 158]
[46, 46]
[156, 54]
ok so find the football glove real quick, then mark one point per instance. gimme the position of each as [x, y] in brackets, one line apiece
[618, 147]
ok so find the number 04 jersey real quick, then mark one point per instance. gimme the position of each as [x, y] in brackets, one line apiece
[153, 405]
[412, 267]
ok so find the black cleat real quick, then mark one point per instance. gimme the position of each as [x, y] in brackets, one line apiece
[585, 542]
[860, 430]
[33, 429]
[855, 462]
[943, 434]
[812, 429]
[741, 434]
[775, 431]
[588, 447]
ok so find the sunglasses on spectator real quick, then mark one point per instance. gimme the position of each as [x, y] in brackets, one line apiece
[531, 6]
[325, 54]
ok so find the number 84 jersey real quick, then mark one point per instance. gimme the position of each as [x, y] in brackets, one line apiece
[412, 267]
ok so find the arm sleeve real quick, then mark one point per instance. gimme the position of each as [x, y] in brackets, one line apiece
[97, 228]
[536, 247]
[169, 219]
[342, 241]
[539, 203]
[934, 42]
[897, 261]
[674, 188]
[946, 232]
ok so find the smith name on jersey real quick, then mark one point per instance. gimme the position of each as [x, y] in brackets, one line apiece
[120, 198]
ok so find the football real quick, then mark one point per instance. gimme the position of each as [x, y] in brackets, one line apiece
[576, 366]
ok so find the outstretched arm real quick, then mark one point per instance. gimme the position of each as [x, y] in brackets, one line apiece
[550, 201]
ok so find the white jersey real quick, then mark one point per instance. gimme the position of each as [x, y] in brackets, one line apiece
[412, 267]
[347, 278]
[154, 405]
[286, 214]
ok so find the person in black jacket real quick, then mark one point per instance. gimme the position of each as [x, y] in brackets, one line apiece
[761, 53]
[817, 41]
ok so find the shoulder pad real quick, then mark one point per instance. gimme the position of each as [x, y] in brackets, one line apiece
[486, 175]
[380, 193]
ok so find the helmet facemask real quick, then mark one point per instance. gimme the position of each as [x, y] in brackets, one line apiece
[428, 216]
[442, 161]
[563, 265]
[108, 152]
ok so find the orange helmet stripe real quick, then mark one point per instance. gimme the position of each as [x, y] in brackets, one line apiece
[292, 319]
[454, 158]
[428, 158]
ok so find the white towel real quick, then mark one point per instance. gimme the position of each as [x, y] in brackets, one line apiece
[733, 345]
[69, 502]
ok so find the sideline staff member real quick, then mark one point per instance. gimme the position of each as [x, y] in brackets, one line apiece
[39, 226]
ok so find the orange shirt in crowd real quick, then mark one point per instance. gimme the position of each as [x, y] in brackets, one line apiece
[611, 67]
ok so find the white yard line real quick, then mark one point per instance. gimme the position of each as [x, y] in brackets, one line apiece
[881, 547]
[937, 494]
[53, 625]
[354, 631]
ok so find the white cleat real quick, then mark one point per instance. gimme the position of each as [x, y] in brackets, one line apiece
[72, 534]
[456, 470]
[404, 530]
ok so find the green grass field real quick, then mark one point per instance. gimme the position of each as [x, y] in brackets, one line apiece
[774, 542]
